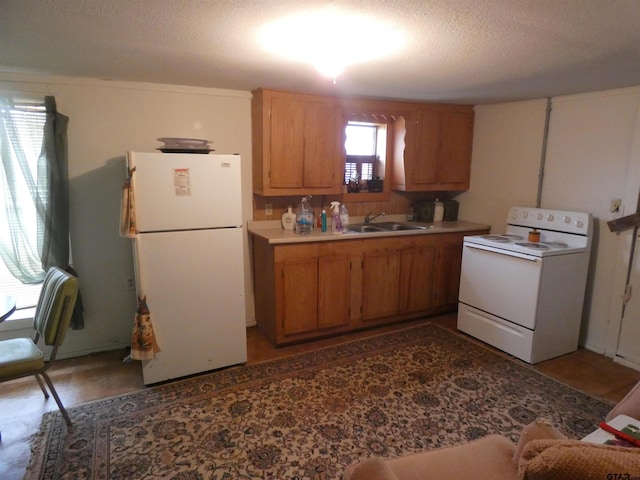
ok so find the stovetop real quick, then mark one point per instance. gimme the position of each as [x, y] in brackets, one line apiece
[561, 232]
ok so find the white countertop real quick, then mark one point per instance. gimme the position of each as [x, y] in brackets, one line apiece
[272, 230]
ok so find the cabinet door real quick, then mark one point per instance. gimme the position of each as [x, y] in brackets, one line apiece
[416, 279]
[424, 167]
[321, 140]
[381, 288]
[457, 139]
[438, 153]
[305, 138]
[448, 264]
[334, 290]
[287, 143]
[298, 297]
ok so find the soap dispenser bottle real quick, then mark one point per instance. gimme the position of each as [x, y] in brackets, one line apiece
[288, 219]
[336, 222]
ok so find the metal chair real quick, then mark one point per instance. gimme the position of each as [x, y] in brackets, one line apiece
[21, 357]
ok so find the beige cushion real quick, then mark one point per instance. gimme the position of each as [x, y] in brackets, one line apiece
[19, 356]
[576, 460]
[489, 458]
[370, 469]
[629, 405]
[537, 430]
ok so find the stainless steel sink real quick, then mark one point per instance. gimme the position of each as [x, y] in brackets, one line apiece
[402, 226]
[364, 227]
[385, 227]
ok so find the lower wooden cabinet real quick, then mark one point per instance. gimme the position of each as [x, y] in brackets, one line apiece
[297, 295]
[447, 273]
[417, 279]
[398, 280]
[312, 293]
[316, 289]
[380, 287]
[334, 290]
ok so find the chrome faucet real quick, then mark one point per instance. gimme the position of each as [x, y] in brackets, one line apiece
[368, 218]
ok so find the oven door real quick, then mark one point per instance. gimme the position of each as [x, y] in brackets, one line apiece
[502, 283]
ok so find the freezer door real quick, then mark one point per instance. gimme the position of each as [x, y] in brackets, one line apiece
[194, 284]
[185, 191]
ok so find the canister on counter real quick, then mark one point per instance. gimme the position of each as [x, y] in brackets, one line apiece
[450, 210]
[534, 236]
[438, 211]
[425, 210]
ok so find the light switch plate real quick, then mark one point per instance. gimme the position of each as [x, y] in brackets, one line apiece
[616, 203]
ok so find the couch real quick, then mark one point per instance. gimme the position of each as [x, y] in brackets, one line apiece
[542, 453]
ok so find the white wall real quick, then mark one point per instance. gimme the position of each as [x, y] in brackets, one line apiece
[507, 144]
[588, 158]
[106, 120]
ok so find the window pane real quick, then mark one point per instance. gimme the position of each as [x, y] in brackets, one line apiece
[29, 120]
[367, 171]
[26, 296]
[361, 139]
[350, 171]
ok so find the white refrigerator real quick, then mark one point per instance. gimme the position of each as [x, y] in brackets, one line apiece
[188, 259]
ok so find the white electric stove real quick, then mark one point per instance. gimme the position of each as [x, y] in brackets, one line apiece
[522, 291]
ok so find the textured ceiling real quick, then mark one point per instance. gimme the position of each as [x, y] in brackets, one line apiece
[463, 51]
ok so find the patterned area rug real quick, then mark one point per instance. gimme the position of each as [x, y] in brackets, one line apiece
[311, 415]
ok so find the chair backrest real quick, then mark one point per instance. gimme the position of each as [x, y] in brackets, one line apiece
[55, 305]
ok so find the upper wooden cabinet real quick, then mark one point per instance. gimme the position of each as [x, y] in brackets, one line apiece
[432, 149]
[298, 144]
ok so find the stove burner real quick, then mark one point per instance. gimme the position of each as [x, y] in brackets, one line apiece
[496, 238]
[513, 236]
[532, 245]
[556, 244]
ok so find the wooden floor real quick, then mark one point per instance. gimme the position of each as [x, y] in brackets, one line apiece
[103, 375]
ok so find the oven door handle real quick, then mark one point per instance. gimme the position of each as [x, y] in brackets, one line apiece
[503, 252]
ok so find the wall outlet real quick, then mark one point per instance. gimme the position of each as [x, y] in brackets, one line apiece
[131, 284]
[268, 209]
[616, 203]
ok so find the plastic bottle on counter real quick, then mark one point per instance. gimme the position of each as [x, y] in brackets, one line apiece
[438, 212]
[411, 216]
[336, 223]
[288, 219]
[304, 217]
[323, 219]
[344, 217]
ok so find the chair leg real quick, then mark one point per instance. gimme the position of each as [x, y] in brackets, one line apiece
[44, 390]
[57, 398]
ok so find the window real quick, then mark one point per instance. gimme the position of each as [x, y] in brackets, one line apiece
[365, 146]
[29, 119]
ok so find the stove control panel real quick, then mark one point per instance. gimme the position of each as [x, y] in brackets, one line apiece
[559, 220]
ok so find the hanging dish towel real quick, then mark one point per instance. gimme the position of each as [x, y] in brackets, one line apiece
[143, 340]
[127, 211]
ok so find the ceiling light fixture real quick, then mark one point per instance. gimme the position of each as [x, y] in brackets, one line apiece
[331, 40]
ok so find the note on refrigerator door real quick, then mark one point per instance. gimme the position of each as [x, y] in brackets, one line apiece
[182, 182]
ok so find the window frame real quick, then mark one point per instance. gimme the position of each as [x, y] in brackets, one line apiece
[386, 122]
